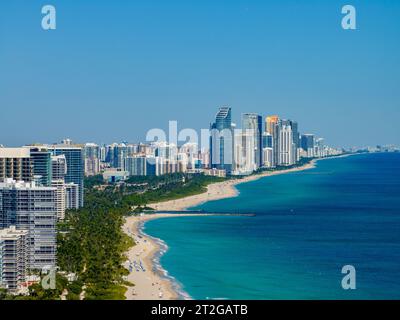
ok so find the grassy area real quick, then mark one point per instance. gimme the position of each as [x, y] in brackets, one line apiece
[142, 191]
[175, 190]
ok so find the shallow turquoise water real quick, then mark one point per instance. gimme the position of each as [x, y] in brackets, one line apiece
[307, 226]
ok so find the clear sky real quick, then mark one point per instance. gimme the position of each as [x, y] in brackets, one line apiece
[115, 69]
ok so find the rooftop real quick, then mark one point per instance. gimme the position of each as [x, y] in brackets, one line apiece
[14, 153]
[11, 233]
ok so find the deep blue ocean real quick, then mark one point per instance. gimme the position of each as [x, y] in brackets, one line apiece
[308, 225]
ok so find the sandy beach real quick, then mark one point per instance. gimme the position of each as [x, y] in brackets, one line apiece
[150, 284]
[220, 190]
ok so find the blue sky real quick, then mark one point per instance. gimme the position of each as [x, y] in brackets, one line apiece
[115, 69]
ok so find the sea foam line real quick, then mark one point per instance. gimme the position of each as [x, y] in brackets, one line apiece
[177, 287]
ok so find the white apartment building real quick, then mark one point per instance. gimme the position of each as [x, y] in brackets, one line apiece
[60, 197]
[14, 253]
[286, 147]
[32, 208]
[71, 196]
[268, 160]
[244, 155]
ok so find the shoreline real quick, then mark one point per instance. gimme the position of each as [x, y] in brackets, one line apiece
[222, 190]
[151, 282]
[154, 283]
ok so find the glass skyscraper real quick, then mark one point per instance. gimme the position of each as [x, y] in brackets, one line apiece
[74, 156]
[221, 140]
[41, 161]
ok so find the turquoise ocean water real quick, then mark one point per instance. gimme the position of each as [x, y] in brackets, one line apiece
[307, 226]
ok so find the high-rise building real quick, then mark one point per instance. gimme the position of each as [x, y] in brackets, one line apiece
[286, 147]
[131, 149]
[92, 150]
[272, 127]
[136, 166]
[41, 165]
[319, 148]
[268, 150]
[189, 152]
[103, 153]
[270, 123]
[267, 140]
[59, 171]
[252, 124]
[32, 208]
[14, 254]
[151, 166]
[92, 167]
[75, 166]
[116, 154]
[244, 155]
[222, 140]
[60, 197]
[92, 159]
[296, 140]
[307, 144]
[72, 196]
[159, 166]
[58, 167]
[268, 157]
[16, 163]
[166, 151]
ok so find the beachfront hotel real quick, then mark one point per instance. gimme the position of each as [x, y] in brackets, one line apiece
[32, 208]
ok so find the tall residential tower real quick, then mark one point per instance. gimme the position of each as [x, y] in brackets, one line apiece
[252, 124]
[221, 140]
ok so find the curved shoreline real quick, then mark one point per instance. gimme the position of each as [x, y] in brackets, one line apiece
[222, 190]
[171, 289]
[154, 282]
[175, 285]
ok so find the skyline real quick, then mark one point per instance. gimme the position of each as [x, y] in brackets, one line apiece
[174, 132]
[90, 80]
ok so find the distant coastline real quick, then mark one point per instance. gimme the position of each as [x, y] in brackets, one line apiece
[221, 190]
[148, 285]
